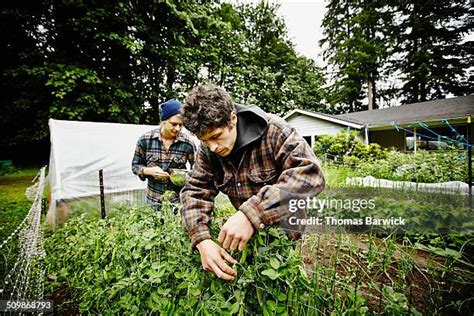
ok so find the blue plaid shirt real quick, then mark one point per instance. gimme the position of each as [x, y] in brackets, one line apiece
[150, 152]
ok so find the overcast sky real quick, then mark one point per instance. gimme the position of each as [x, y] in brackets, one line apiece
[303, 20]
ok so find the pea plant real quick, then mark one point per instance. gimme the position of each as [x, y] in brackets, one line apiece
[139, 260]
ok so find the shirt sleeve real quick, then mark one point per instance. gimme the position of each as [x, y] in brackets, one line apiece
[191, 155]
[139, 160]
[301, 177]
[197, 197]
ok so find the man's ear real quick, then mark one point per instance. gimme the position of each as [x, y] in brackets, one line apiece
[233, 118]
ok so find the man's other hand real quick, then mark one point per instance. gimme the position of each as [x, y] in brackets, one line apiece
[236, 232]
[213, 259]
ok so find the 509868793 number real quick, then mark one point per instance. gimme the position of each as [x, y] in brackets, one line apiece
[26, 305]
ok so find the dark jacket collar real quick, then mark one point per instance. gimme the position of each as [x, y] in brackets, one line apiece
[252, 123]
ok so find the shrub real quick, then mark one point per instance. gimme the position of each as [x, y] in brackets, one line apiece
[428, 167]
[6, 167]
[372, 160]
[346, 147]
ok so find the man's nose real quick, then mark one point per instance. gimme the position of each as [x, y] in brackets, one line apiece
[212, 146]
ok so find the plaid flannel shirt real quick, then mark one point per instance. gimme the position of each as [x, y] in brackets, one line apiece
[150, 152]
[276, 167]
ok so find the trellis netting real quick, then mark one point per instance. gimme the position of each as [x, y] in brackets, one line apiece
[78, 151]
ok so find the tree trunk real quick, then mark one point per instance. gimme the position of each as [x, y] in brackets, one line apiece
[370, 94]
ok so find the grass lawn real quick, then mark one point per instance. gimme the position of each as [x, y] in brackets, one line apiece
[13, 208]
[336, 175]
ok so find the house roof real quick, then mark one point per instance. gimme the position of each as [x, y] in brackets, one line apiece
[430, 111]
[325, 117]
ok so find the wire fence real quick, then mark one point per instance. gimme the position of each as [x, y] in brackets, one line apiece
[24, 281]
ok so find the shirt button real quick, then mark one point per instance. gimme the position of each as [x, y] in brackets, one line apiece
[261, 226]
[239, 184]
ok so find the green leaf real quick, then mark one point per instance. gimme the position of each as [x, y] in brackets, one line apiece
[281, 297]
[272, 274]
[274, 263]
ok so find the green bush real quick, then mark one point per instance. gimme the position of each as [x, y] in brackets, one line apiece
[372, 160]
[424, 166]
[346, 147]
[6, 167]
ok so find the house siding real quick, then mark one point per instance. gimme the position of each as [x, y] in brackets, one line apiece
[307, 126]
[312, 127]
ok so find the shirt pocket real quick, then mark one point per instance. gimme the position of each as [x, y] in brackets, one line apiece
[262, 177]
[223, 184]
[153, 159]
[178, 162]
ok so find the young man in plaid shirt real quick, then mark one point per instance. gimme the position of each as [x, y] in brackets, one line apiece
[162, 149]
[256, 158]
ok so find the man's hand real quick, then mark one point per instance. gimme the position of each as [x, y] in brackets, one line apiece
[236, 232]
[212, 259]
[156, 172]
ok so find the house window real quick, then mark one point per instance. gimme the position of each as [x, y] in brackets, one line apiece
[434, 138]
[424, 143]
[410, 143]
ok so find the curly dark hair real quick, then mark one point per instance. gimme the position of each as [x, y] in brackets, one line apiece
[206, 107]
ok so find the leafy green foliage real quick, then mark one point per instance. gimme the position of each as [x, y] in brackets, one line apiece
[421, 217]
[336, 174]
[24, 99]
[347, 147]
[117, 61]
[178, 179]
[131, 263]
[356, 44]
[428, 167]
[370, 45]
[434, 55]
[372, 160]
[6, 167]
[273, 76]
[397, 303]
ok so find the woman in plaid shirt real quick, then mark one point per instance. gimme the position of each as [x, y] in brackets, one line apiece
[254, 157]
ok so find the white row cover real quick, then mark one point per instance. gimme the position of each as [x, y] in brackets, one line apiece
[80, 149]
[452, 187]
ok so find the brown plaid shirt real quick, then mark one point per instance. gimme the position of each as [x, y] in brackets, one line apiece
[278, 166]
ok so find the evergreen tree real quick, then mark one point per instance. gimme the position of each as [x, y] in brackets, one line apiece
[414, 50]
[356, 46]
[274, 76]
[433, 59]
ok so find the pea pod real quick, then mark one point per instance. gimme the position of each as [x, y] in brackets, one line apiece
[244, 255]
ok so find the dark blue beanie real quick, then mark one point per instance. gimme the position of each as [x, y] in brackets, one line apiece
[170, 108]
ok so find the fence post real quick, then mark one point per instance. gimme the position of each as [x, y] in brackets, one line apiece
[469, 160]
[102, 197]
